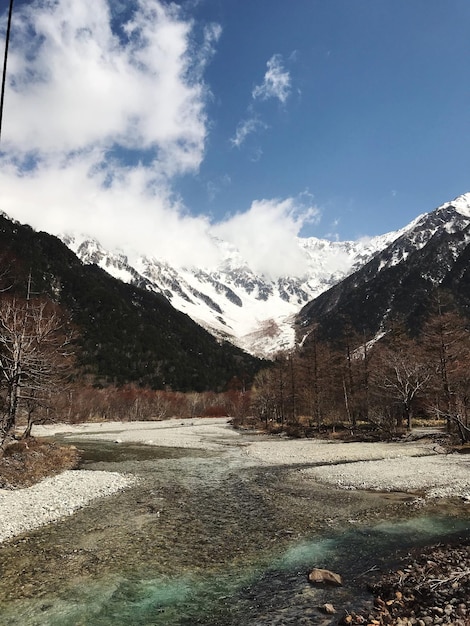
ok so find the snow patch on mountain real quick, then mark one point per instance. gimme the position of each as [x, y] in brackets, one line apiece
[232, 301]
[251, 310]
[461, 204]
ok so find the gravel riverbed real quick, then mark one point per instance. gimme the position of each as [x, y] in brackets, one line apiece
[407, 467]
[22, 510]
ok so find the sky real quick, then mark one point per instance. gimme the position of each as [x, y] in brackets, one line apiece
[157, 126]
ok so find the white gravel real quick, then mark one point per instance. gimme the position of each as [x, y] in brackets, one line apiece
[436, 476]
[53, 498]
[407, 467]
[301, 451]
[207, 433]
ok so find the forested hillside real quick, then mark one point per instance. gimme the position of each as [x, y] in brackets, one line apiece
[125, 334]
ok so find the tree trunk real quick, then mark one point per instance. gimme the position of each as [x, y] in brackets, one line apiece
[9, 421]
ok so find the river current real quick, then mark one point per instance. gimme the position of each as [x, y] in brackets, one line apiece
[212, 539]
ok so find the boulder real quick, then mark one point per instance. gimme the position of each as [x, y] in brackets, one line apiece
[324, 576]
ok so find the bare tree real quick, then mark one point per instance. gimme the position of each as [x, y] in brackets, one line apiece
[35, 353]
[265, 400]
[446, 339]
[321, 388]
[401, 373]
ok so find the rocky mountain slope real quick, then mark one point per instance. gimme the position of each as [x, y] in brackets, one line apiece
[232, 301]
[362, 283]
[401, 280]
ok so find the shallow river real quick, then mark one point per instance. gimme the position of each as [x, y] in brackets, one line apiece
[210, 539]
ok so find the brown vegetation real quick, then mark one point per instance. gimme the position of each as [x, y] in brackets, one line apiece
[86, 403]
[25, 463]
[366, 385]
[35, 359]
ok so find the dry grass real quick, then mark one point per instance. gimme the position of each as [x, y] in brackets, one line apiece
[25, 463]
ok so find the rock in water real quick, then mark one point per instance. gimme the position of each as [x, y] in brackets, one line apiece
[324, 576]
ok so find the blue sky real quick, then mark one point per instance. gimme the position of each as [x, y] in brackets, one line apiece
[155, 125]
[377, 120]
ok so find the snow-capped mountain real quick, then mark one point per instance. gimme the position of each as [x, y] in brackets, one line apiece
[400, 281]
[124, 334]
[258, 313]
[232, 301]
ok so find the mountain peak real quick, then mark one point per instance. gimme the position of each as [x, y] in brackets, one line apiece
[399, 282]
[461, 204]
[252, 310]
[234, 301]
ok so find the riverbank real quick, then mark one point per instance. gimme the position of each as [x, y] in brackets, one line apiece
[412, 467]
[408, 466]
[223, 530]
[431, 587]
[53, 498]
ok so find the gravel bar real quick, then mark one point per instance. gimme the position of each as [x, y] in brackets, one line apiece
[399, 466]
[438, 476]
[23, 510]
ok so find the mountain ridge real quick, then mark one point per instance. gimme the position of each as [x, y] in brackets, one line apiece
[401, 280]
[234, 303]
[264, 315]
[126, 334]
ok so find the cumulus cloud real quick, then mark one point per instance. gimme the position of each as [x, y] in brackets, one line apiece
[276, 82]
[75, 83]
[266, 235]
[124, 212]
[99, 120]
[102, 117]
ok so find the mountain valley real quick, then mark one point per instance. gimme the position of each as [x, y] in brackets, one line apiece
[264, 315]
[233, 302]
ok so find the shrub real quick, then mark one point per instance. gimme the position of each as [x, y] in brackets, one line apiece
[25, 463]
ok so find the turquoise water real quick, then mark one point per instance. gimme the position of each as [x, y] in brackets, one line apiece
[260, 594]
[208, 541]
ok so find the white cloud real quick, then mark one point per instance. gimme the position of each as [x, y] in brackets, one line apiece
[246, 128]
[85, 102]
[133, 218]
[276, 82]
[76, 84]
[266, 235]
[124, 212]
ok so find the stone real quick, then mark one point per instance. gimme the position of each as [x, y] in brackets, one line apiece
[323, 576]
[327, 608]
